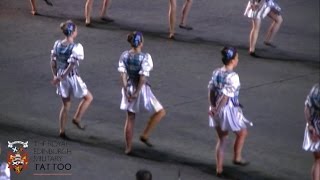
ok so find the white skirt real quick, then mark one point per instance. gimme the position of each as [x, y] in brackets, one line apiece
[72, 85]
[145, 100]
[308, 144]
[260, 13]
[230, 118]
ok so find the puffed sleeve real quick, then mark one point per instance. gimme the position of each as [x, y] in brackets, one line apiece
[232, 85]
[146, 65]
[77, 53]
[210, 85]
[54, 51]
[211, 82]
[313, 98]
[122, 67]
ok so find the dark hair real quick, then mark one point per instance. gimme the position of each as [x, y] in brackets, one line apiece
[68, 27]
[228, 54]
[135, 38]
[143, 175]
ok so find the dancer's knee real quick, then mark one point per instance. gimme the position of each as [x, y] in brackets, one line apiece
[162, 112]
[88, 97]
[279, 20]
[242, 133]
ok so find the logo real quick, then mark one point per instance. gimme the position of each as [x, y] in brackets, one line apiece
[17, 156]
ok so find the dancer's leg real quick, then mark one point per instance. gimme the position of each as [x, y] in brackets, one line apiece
[87, 11]
[172, 17]
[128, 131]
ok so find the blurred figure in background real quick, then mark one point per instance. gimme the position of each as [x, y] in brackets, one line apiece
[172, 16]
[88, 8]
[34, 7]
[257, 10]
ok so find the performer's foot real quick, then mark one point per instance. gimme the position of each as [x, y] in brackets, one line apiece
[241, 162]
[107, 19]
[145, 141]
[171, 36]
[253, 54]
[88, 24]
[186, 27]
[220, 174]
[63, 135]
[78, 124]
[35, 13]
[269, 44]
[128, 151]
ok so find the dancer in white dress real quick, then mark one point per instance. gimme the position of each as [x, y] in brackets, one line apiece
[257, 10]
[65, 57]
[312, 131]
[134, 67]
[225, 112]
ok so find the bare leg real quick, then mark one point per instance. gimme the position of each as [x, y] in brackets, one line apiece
[33, 7]
[238, 144]
[105, 6]
[128, 131]
[82, 107]
[220, 149]
[153, 121]
[274, 27]
[87, 11]
[172, 17]
[254, 34]
[315, 172]
[66, 103]
[185, 11]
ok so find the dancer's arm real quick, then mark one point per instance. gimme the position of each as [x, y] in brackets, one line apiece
[124, 82]
[313, 133]
[142, 81]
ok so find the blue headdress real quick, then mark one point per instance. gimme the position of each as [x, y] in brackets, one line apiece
[230, 53]
[70, 27]
[137, 39]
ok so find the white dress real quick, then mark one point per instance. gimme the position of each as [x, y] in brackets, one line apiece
[230, 117]
[263, 7]
[72, 83]
[134, 65]
[313, 103]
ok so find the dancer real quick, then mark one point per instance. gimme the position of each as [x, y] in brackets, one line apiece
[225, 112]
[312, 131]
[65, 57]
[34, 7]
[135, 67]
[172, 16]
[257, 10]
[88, 8]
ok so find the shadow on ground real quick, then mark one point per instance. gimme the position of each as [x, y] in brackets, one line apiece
[151, 154]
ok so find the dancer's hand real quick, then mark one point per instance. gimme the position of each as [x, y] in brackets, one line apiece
[126, 93]
[213, 111]
[133, 96]
[313, 133]
[55, 80]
